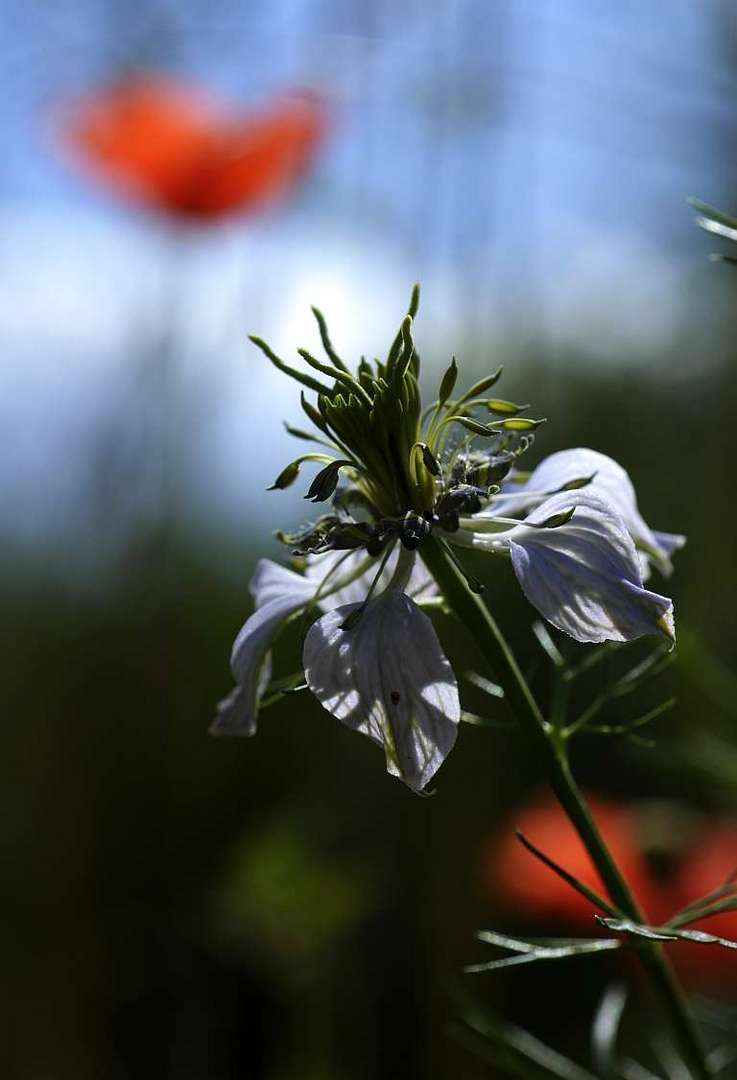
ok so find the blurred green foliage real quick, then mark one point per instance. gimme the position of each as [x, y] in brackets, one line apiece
[185, 907]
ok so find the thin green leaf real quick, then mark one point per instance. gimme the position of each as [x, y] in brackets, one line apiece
[696, 914]
[715, 1014]
[528, 952]
[306, 380]
[343, 377]
[308, 436]
[632, 725]
[491, 688]
[660, 658]
[713, 214]
[595, 655]
[664, 933]
[325, 338]
[484, 721]
[414, 304]
[640, 673]
[605, 1028]
[627, 926]
[547, 644]
[721, 1057]
[502, 1058]
[526, 1047]
[629, 1069]
[717, 228]
[584, 890]
[277, 688]
[702, 938]
[728, 888]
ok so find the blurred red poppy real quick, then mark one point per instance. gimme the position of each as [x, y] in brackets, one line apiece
[711, 859]
[515, 878]
[166, 144]
[669, 859]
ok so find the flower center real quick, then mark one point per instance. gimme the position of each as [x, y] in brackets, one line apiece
[407, 471]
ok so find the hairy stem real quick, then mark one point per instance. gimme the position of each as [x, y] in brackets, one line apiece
[550, 750]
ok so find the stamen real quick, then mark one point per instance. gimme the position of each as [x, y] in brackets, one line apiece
[321, 591]
[350, 622]
[473, 583]
[483, 384]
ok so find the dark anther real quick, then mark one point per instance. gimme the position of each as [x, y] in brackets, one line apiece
[479, 469]
[413, 529]
[460, 499]
[449, 521]
[396, 697]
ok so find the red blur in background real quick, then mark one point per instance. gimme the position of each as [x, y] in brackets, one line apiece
[669, 859]
[168, 145]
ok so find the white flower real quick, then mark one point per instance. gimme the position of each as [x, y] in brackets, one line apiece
[386, 676]
[277, 594]
[608, 480]
[583, 574]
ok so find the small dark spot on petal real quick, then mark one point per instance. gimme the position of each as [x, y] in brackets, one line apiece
[396, 697]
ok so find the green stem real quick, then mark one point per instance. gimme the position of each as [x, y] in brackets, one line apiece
[550, 749]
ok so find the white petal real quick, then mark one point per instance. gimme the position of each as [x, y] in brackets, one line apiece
[341, 565]
[585, 576]
[387, 678]
[669, 542]
[610, 482]
[421, 584]
[236, 714]
[271, 580]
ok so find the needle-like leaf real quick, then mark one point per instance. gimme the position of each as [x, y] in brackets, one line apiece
[584, 890]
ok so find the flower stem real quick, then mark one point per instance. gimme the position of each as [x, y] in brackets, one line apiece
[551, 752]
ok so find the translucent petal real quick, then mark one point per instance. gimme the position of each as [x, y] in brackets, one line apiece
[420, 584]
[236, 713]
[585, 576]
[387, 678]
[610, 482]
[271, 581]
[278, 593]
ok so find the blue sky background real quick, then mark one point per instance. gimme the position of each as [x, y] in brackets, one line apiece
[527, 160]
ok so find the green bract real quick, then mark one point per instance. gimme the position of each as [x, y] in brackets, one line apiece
[407, 470]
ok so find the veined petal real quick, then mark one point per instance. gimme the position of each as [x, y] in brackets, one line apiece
[236, 713]
[610, 482]
[387, 677]
[271, 580]
[278, 593]
[420, 585]
[669, 542]
[584, 576]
